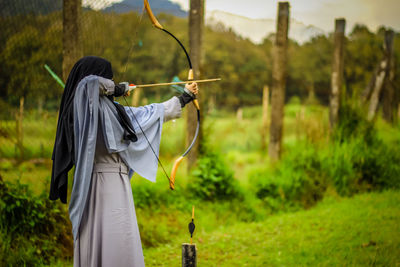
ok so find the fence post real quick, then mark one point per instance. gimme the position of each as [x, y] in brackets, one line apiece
[378, 80]
[19, 129]
[279, 81]
[337, 72]
[389, 104]
[265, 106]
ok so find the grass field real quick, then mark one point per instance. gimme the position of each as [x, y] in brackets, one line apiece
[238, 140]
[359, 231]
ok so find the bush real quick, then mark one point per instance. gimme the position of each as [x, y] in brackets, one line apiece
[156, 195]
[359, 160]
[33, 229]
[213, 179]
[353, 124]
[355, 160]
[297, 181]
[357, 166]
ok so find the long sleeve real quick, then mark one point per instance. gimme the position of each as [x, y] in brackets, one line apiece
[172, 109]
[141, 155]
[106, 86]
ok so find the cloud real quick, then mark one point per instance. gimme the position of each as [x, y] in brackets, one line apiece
[321, 13]
[99, 4]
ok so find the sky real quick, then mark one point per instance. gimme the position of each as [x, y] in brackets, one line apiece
[320, 13]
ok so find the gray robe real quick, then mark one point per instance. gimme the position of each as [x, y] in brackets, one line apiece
[101, 207]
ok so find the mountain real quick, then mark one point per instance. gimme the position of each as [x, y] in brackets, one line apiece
[257, 29]
[158, 6]
[9, 8]
[254, 29]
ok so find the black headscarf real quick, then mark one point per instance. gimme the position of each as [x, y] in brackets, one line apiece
[63, 152]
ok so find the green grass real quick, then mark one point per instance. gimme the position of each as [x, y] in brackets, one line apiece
[359, 231]
[239, 140]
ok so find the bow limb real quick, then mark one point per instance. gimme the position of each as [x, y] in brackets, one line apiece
[179, 160]
[158, 25]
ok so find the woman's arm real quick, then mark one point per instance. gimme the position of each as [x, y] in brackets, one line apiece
[173, 107]
[107, 86]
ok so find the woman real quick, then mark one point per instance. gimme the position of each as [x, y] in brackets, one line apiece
[104, 142]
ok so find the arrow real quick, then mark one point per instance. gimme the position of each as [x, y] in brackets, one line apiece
[133, 86]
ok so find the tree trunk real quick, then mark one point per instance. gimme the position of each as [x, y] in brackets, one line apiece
[72, 41]
[196, 22]
[265, 106]
[337, 73]
[279, 73]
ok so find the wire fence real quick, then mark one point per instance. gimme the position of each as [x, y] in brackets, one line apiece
[31, 37]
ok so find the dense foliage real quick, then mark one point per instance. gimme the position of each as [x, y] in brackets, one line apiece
[355, 160]
[213, 179]
[142, 55]
[33, 229]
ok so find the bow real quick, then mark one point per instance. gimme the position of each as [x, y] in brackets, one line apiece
[177, 162]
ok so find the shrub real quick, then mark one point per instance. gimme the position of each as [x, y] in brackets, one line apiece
[356, 160]
[213, 179]
[356, 166]
[297, 181]
[360, 160]
[33, 229]
[353, 124]
[156, 195]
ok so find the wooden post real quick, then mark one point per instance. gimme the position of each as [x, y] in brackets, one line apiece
[398, 112]
[72, 41]
[196, 24]
[378, 80]
[136, 97]
[19, 129]
[311, 94]
[337, 72]
[388, 97]
[189, 255]
[239, 114]
[279, 81]
[377, 87]
[265, 106]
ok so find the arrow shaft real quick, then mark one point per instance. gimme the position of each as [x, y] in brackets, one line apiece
[172, 83]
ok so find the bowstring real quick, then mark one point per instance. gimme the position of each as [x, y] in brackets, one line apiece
[152, 149]
[130, 51]
[126, 102]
